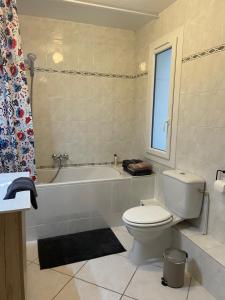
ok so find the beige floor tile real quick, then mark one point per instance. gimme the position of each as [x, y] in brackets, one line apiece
[32, 250]
[198, 292]
[45, 284]
[126, 298]
[124, 237]
[146, 285]
[28, 263]
[157, 263]
[79, 290]
[124, 254]
[113, 272]
[70, 269]
[36, 261]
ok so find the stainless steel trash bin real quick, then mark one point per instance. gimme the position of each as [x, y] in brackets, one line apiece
[174, 267]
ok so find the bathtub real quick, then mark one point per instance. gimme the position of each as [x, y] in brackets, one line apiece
[84, 198]
[81, 174]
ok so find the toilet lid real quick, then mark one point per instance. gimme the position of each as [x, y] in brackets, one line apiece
[147, 214]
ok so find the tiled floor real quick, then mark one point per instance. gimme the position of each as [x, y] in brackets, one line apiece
[111, 277]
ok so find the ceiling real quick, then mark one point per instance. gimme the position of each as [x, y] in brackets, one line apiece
[126, 14]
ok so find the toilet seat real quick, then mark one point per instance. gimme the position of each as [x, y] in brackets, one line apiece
[147, 216]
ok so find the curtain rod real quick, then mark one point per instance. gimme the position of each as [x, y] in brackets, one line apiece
[112, 8]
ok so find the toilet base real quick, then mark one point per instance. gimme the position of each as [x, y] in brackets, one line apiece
[144, 251]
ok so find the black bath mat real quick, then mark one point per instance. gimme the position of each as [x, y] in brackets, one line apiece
[67, 249]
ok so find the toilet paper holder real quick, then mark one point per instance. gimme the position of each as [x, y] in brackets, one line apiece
[218, 172]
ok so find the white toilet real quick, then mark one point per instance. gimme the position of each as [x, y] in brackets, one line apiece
[150, 225]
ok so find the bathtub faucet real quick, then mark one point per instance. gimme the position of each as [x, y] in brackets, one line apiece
[60, 157]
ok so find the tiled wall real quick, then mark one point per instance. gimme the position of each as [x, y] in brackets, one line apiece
[93, 117]
[89, 117]
[201, 130]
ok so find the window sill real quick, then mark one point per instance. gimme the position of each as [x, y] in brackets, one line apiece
[164, 161]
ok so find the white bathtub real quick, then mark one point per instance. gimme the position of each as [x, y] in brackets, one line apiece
[81, 174]
[84, 198]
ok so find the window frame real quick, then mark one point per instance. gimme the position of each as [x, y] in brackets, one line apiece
[174, 41]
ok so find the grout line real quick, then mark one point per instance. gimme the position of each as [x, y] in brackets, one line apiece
[62, 288]
[202, 92]
[128, 297]
[189, 288]
[61, 273]
[156, 266]
[80, 268]
[53, 269]
[130, 281]
[203, 126]
[69, 277]
[98, 285]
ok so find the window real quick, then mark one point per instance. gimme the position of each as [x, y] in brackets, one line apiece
[163, 99]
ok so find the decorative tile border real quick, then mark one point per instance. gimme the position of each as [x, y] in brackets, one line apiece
[204, 53]
[107, 163]
[140, 74]
[87, 73]
[186, 59]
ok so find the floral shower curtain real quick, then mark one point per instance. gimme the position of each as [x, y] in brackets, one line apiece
[16, 128]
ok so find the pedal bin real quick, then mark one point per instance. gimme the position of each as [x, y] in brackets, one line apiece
[174, 267]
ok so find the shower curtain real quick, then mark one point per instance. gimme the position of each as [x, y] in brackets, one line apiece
[16, 128]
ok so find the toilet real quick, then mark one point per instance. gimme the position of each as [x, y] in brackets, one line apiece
[150, 225]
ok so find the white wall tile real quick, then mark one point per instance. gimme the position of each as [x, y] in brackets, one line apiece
[84, 116]
[201, 141]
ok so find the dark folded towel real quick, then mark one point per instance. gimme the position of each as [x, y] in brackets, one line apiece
[138, 173]
[126, 162]
[140, 167]
[22, 184]
[137, 167]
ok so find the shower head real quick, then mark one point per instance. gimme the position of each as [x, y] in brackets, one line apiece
[29, 60]
[31, 57]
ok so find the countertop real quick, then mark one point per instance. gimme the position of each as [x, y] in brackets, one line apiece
[22, 199]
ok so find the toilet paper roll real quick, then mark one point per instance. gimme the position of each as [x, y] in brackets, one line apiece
[219, 186]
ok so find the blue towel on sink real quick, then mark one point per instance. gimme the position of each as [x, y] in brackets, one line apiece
[22, 184]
